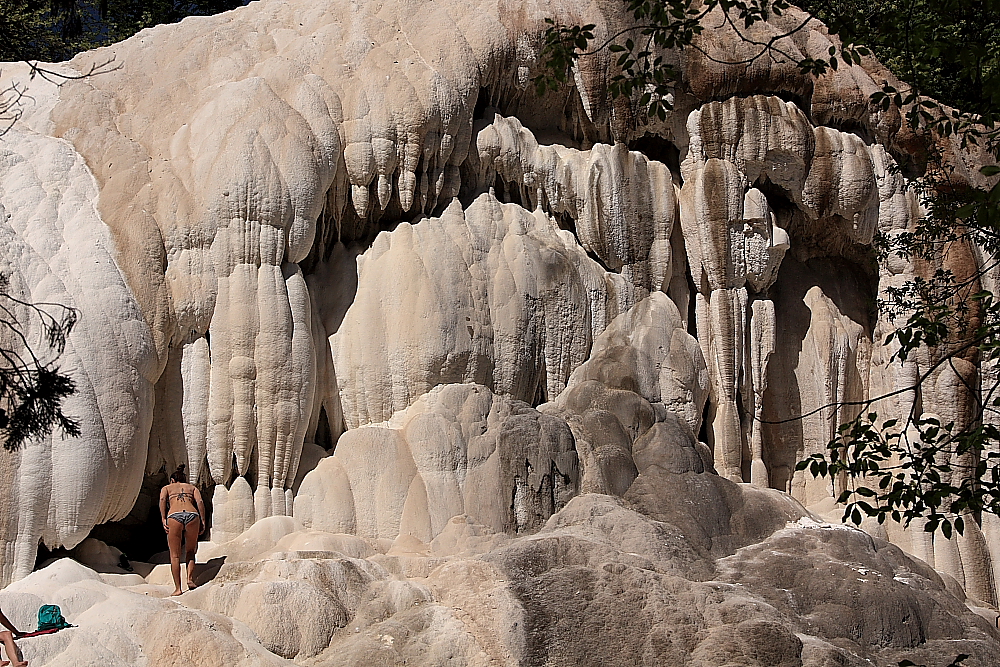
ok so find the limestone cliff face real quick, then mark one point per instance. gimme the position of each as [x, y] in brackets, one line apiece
[343, 262]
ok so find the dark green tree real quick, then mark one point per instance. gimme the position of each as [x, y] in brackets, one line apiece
[26, 32]
[947, 49]
[124, 18]
[32, 387]
[59, 29]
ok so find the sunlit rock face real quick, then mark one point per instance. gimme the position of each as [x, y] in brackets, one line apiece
[509, 301]
[459, 450]
[342, 261]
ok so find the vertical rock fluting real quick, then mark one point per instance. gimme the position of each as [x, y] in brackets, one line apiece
[203, 204]
[732, 239]
[458, 450]
[196, 368]
[712, 219]
[623, 204]
[57, 251]
[509, 302]
[218, 203]
[762, 340]
[835, 179]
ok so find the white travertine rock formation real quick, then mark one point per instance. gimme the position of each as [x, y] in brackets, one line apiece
[647, 351]
[623, 203]
[740, 578]
[510, 302]
[117, 626]
[762, 136]
[293, 601]
[765, 242]
[458, 450]
[762, 340]
[642, 368]
[333, 257]
[841, 182]
[56, 250]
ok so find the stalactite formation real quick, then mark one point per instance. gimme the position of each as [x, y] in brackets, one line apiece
[294, 219]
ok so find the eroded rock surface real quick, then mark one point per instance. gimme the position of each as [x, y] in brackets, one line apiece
[458, 450]
[600, 583]
[508, 301]
[471, 375]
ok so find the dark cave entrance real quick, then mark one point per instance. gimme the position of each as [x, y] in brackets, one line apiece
[139, 536]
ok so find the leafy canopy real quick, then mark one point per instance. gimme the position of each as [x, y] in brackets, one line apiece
[59, 29]
[31, 386]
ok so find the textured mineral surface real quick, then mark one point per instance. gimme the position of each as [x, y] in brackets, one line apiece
[470, 376]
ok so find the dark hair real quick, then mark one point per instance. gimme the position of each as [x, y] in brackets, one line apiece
[179, 475]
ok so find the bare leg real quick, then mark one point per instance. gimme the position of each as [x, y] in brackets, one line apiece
[12, 651]
[191, 532]
[175, 537]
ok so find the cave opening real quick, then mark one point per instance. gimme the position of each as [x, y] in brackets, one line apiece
[657, 148]
[324, 434]
[482, 102]
[706, 423]
[139, 535]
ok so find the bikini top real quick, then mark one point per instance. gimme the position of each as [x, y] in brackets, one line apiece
[181, 496]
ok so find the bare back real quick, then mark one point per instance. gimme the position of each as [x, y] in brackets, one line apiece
[181, 497]
[183, 514]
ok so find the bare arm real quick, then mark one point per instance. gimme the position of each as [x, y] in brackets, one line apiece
[10, 626]
[201, 508]
[163, 508]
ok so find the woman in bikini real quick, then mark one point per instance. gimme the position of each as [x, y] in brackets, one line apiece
[182, 511]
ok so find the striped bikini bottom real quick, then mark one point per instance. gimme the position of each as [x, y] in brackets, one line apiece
[184, 517]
